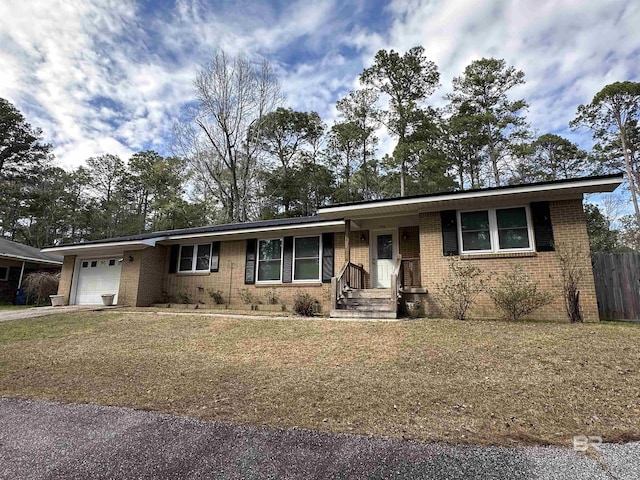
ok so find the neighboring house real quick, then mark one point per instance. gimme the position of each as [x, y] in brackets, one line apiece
[16, 261]
[356, 259]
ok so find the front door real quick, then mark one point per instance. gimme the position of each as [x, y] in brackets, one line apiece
[383, 248]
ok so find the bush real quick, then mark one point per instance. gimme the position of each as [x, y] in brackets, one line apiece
[246, 296]
[304, 304]
[516, 295]
[572, 271]
[216, 296]
[40, 285]
[272, 296]
[184, 296]
[462, 286]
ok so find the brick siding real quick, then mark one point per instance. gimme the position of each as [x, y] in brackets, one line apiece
[569, 228]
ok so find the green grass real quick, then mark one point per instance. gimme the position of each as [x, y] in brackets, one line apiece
[489, 382]
[15, 307]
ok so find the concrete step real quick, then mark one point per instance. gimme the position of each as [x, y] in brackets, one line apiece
[362, 314]
[349, 302]
[373, 308]
[369, 293]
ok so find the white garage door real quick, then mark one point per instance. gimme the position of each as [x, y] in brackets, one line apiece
[97, 277]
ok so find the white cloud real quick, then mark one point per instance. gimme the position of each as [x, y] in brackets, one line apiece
[110, 76]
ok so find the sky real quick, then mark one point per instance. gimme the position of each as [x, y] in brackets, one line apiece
[112, 76]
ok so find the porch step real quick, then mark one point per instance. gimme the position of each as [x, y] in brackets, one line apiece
[366, 303]
[362, 314]
[368, 307]
[369, 293]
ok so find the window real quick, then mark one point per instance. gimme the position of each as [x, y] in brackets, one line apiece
[200, 262]
[495, 230]
[269, 260]
[94, 263]
[85, 264]
[306, 258]
[112, 262]
[4, 274]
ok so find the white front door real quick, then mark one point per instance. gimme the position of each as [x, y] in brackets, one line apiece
[383, 250]
[97, 277]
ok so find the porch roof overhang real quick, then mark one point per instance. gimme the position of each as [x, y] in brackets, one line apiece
[555, 190]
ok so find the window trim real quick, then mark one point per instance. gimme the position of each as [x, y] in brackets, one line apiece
[293, 260]
[194, 259]
[493, 231]
[6, 275]
[281, 240]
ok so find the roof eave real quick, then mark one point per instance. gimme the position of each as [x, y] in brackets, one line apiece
[22, 258]
[579, 187]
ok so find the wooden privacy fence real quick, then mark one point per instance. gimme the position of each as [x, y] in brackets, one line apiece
[617, 278]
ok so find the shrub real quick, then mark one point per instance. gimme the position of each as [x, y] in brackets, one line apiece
[40, 285]
[184, 296]
[463, 284]
[272, 296]
[246, 296]
[216, 296]
[516, 295]
[304, 304]
[572, 261]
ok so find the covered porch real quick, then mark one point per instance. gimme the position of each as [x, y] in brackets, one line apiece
[378, 264]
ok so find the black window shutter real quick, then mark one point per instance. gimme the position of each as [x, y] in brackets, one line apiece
[449, 221]
[173, 258]
[542, 227]
[250, 263]
[327, 257]
[215, 256]
[287, 260]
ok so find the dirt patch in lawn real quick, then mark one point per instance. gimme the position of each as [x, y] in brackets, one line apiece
[459, 382]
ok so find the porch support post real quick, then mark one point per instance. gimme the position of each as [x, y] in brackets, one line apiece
[347, 240]
[21, 276]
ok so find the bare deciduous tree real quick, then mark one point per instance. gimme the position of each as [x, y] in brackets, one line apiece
[219, 143]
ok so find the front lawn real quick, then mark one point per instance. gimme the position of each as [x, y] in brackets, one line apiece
[472, 382]
[14, 307]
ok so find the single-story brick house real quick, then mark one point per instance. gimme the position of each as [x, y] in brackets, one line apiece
[18, 260]
[358, 259]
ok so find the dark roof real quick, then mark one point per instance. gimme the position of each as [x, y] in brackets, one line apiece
[9, 249]
[207, 229]
[475, 190]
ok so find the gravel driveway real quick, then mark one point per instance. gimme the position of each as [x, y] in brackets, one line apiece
[41, 440]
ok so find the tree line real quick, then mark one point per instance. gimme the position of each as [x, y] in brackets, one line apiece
[242, 154]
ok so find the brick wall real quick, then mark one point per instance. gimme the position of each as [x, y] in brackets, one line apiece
[569, 227]
[66, 277]
[230, 281]
[359, 242]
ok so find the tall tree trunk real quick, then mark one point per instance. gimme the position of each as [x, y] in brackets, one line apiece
[627, 165]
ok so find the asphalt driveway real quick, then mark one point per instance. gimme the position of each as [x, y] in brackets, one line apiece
[42, 440]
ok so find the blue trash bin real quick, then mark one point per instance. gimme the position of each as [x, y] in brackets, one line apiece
[21, 297]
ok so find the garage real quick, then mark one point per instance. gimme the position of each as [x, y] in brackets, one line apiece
[97, 277]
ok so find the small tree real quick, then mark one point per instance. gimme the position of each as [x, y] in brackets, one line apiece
[40, 285]
[517, 295]
[572, 261]
[462, 286]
